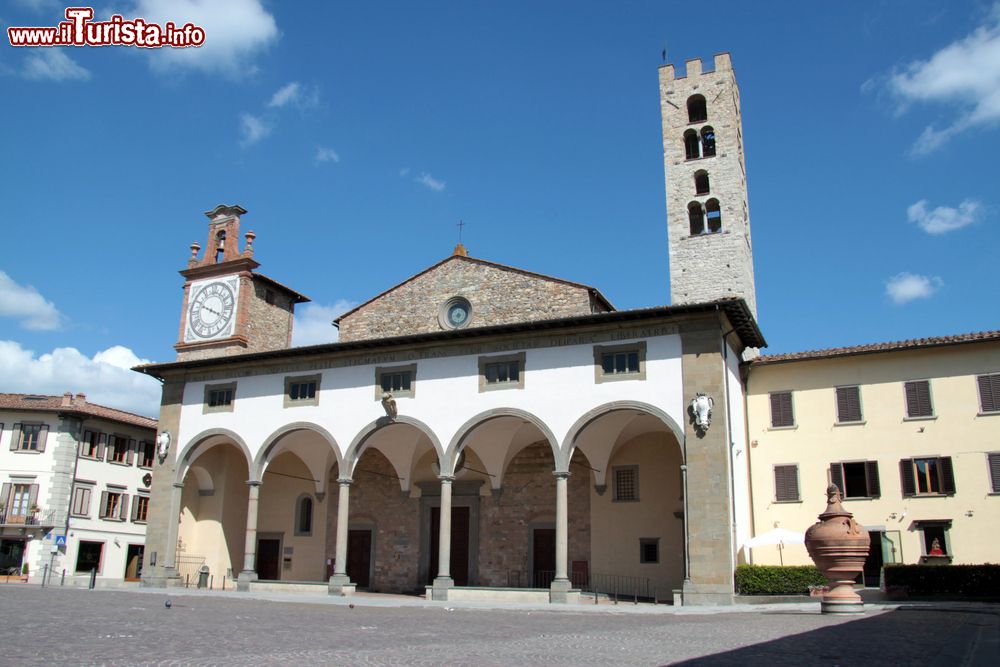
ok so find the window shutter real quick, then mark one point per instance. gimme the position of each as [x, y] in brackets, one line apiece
[131, 451]
[947, 476]
[781, 409]
[83, 443]
[989, 392]
[848, 404]
[123, 508]
[4, 496]
[837, 477]
[906, 477]
[918, 399]
[874, 489]
[15, 438]
[102, 444]
[135, 506]
[786, 483]
[32, 496]
[101, 511]
[43, 435]
[994, 461]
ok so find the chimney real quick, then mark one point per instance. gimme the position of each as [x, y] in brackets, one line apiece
[80, 400]
[67, 400]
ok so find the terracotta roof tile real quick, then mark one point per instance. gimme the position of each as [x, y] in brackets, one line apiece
[77, 404]
[889, 346]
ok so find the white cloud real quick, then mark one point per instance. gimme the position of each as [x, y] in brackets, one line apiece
[52, 64]
[429, 181]
[313, 323]
[253, 129]
[964, 74]
[23, 302]
[105, 378]
[905, 287]
[294, 94]
[324, 154]
[235, 32]
[943, 218]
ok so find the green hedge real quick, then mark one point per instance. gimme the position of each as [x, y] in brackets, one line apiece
[978, 581]
[777, 580]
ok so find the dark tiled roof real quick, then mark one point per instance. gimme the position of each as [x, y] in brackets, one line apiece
[76, 405]
[735, 309]
[890, 346]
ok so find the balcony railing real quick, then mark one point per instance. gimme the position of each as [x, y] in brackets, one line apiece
[36, 518]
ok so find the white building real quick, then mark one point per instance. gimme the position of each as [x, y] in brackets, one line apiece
[75, 492]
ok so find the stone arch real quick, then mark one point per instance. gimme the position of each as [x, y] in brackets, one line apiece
[192, 450]
[569, 442]
[271, 441]
[357, 444]
[204, 479]
[465, 429]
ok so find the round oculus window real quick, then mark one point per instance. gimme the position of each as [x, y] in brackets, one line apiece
[455, 313]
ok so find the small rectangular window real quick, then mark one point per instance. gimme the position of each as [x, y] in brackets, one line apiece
[88, 556]
[620, 362]
[220, 397]
[935, 547]
[856, 479]
[302, 390]
[848, 404]
[930, 476]
[781, 410]
[140, 509]
[649, 550]
[117, 449]
[918, 399]
[626, 484]
[146, 449]
[989, 392]
[501, 372]
[29, 437]
[786, 483]
[400, 381]
[81, 501]
[90, 445]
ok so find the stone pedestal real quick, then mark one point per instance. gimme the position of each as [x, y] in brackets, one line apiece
[440, 588]
[839, 547]
[244, 579]
[559, 591]
[340, 584]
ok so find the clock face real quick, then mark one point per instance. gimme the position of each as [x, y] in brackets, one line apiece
[211, 309]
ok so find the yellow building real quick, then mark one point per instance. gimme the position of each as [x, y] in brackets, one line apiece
[909, 431]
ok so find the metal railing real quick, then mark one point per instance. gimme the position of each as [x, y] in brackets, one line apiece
[613, 586]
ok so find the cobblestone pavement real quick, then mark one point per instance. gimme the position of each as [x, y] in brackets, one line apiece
[62, 626]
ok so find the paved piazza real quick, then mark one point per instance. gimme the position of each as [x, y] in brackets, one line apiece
[62, 626]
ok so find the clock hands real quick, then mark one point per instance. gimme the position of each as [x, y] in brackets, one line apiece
[211, 310]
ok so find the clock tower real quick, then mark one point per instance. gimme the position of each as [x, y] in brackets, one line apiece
[230, 308]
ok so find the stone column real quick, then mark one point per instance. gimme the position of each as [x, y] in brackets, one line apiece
[340, 583]
[561, 585]
[249, 573]
[170, 557]
[443, 581]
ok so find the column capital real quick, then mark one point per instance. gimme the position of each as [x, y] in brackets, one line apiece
[561, 474]
[446, 479]
[253, 482]
[345, 481]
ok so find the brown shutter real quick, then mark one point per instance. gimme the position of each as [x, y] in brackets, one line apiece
[786, 483]
[989, 392]
[135, 506]
[848, 404]
[102, 444]
[15, 438]
[123, 508]
[4, 496]
[83, 443]
[32, 496]
[43, 434]
[837, 477]
[906, 477]
[781, 409]
[947, 476]
[874, 489]
[131, 451]
[994, 462]
[104, 505]
[918, 399]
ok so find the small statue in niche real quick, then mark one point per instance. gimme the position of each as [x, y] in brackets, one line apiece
[162, 445]
[389, 405]
[935, 549]
[701, 411]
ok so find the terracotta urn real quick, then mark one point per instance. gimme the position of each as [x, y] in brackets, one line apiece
[839, 547]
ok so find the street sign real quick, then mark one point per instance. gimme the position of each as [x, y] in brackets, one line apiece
[60, 540]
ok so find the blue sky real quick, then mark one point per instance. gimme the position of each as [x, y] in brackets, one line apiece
[357, 135]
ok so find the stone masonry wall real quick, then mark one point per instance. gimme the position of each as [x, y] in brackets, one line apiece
[529, 496]
[498, 296]
[706, 267]
[269, 326]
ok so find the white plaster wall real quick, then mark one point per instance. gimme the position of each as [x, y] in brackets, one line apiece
[559, 388]
[738, 454]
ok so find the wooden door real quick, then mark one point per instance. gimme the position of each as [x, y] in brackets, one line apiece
[133, 562]
[269, 559]
[543, 557]
[359, 557]
[459, 564]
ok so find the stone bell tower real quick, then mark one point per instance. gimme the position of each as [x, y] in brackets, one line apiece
[708, 218]
[230, 308]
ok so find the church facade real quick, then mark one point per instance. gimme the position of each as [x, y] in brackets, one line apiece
[478, 431]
